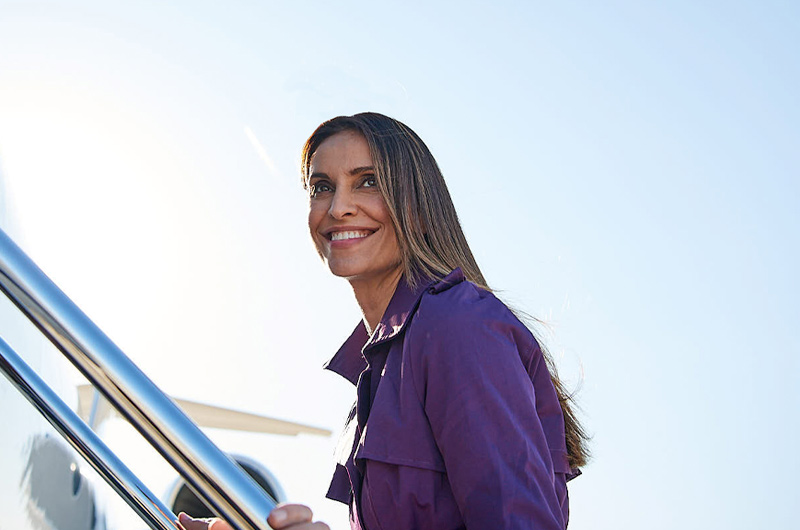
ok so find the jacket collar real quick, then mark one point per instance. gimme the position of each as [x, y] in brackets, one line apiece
[351, 359]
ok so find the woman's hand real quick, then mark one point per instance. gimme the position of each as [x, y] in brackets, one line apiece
[294, 516]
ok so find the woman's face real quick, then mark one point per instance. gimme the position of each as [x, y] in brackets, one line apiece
[348, 218]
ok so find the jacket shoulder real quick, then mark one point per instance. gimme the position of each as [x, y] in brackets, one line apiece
[459, 311]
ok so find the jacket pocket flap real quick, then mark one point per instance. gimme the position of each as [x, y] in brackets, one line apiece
[403, 440]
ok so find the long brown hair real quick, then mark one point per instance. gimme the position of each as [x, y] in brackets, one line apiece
[429, 234]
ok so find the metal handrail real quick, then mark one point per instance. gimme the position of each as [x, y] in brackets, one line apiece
[83, 439]
[210, 473]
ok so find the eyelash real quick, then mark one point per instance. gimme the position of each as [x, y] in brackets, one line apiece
[314, 189]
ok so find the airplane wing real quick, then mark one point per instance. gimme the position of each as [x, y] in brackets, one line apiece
[202, 414]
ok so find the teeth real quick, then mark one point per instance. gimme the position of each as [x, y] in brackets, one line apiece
[337, 236]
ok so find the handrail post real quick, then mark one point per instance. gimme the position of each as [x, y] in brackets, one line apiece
[211, 473]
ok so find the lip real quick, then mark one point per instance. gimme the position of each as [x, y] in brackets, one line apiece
[330, 231]
[346, 243]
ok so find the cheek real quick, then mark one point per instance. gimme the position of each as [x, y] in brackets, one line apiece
[315, 215]
[378, 210]
[313, 224]
[396, 247]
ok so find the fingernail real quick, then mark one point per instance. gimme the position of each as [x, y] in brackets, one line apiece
[278, 516]
[183, 517]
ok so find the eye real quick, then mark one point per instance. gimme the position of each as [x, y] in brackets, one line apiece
[321, 186]
[369, 182]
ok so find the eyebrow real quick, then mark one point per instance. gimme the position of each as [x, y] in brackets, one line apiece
[362, 169]
[352, 172]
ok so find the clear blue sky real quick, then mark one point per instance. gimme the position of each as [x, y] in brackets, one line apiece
[629, 172]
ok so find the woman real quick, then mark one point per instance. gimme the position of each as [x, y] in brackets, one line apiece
[458, 422]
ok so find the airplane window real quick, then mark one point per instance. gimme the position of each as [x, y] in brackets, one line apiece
[76, 478]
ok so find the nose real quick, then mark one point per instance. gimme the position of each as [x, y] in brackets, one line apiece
[343, 204]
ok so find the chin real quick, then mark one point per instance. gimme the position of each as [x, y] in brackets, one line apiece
[345, 270]
[353, 271]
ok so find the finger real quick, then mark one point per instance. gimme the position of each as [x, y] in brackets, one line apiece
[190, 523]
[219, 524]
[287, 515]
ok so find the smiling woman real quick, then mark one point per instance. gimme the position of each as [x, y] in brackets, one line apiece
[459, 421]
[349, 222]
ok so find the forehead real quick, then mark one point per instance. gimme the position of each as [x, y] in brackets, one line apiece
[343, 151]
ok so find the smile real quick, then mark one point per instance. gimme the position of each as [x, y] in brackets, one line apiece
[350, 234]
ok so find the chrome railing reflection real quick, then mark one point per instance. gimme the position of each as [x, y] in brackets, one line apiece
[211, 473]
[84, 440]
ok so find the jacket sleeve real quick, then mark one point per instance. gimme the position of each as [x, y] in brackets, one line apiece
[481, 406]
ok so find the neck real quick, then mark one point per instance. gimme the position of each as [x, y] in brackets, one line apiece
[373, 296]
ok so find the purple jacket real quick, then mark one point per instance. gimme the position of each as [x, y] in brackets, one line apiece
[457, 424]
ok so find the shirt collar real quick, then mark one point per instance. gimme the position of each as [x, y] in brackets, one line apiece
[350, 360]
